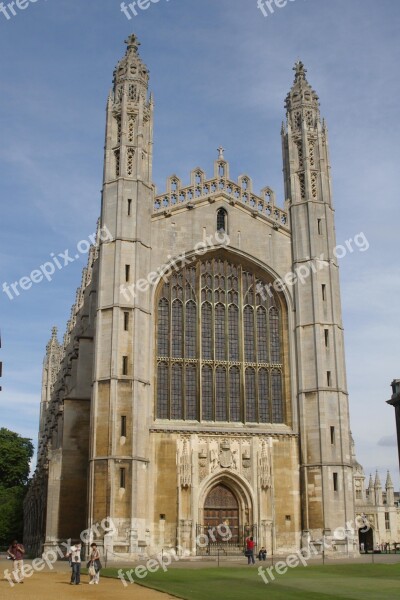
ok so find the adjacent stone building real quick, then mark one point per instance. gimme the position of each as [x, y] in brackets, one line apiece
[378, 509]
[202, 379]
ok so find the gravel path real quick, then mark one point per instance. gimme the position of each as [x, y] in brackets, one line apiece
[55, 585]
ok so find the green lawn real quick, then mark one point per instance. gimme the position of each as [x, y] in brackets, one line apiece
[350, 581]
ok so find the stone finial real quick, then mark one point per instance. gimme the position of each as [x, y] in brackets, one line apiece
[132, 42]
[221, 151]
[300, 70]
[370, 483]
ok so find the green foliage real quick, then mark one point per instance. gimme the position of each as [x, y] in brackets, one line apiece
[15, 455]
[11, 514]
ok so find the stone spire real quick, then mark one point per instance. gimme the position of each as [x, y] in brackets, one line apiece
[127, 199]
[129, 135]
[378, 490]
[318, 322]
[371, 496]
[389, 490]
[302, 101]
[51, 366]
[131, 67]
[377, 480]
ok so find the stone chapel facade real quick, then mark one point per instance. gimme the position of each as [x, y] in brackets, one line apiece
[201, 380]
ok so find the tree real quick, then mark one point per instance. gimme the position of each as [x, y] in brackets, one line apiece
[15, 456]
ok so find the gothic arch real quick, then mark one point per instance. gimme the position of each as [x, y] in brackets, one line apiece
[240, 489]
[222, 343]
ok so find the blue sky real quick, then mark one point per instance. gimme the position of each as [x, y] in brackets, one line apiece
[220, 72]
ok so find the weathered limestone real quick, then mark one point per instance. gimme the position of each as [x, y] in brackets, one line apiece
[109, 447]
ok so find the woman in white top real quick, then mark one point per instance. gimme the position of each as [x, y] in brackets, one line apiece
[94, 561]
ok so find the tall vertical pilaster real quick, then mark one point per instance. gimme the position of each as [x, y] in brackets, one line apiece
[326, 469]
[121, 404]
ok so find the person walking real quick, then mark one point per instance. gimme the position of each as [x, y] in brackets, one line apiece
[75, 561]
[94, 564]
[250, 551]
[17, 551]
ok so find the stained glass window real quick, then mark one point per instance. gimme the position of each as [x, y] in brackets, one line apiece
[263, 396]
[221, 219]
[163, 327]
[176, 392]
[190, 330]
[162, 391]
[251, 404]
[277, 404]
[248, 323]
[262, 335]
[275, 341]
[206, 330]
[234, 395]
[233, 332]
[207, 394]
[220, 336]
[219, 343]
[191, 393]
[177, 328]
[220, 394]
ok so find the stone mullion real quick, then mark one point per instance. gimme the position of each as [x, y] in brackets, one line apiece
[227, 374]
[255, 325]
[184, 315]
[170, 350]
[241, 344]
[213, 353]
[199, 340]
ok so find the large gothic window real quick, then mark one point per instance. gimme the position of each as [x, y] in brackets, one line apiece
[219, 346]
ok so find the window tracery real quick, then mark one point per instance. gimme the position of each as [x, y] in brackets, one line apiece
[218, 345]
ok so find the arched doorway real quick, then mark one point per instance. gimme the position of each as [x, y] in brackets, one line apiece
[222, 508]
[366, 539]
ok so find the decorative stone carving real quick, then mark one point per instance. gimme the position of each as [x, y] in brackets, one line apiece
[225, 455]
[214, 460]
[265, 467]
[185, 466]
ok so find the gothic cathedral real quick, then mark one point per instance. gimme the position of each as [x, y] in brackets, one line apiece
[201, 380]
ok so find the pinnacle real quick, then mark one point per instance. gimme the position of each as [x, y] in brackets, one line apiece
[389, 482]
[377, 480]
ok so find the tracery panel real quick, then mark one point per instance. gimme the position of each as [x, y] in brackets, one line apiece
[220, 394]
[234, 395]
[219, 346]
[207, 394]
[251, 402]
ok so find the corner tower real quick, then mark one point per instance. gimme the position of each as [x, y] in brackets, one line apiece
[120, 403]
[325, 446]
